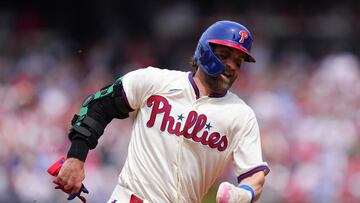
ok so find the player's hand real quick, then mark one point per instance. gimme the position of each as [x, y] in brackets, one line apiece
[71, 176]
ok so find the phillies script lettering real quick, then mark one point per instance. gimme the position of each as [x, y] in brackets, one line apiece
[160, 105]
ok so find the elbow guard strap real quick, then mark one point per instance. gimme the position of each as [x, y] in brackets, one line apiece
[89, 130]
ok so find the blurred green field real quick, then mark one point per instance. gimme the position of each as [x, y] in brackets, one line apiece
[210, 196]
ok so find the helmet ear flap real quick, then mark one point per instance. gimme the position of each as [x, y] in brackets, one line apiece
[207, 61]
[202, 51]
[201, 55]
[204, 55]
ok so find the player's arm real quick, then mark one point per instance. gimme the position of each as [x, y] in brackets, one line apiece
[247, 191]
[96, 113]
[247, 160]
[256, 183]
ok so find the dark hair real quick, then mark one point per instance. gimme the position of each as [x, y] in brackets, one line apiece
[193, 63]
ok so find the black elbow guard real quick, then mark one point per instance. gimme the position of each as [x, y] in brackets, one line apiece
[86, 129]
[97, 111]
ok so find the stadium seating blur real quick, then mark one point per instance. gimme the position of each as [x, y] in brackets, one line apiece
[304, 88]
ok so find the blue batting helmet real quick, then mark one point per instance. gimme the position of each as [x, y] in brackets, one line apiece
[227, 33]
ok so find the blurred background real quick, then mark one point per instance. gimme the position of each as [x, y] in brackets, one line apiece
[304, 88]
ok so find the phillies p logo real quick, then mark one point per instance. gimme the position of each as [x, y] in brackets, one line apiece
[243, 36]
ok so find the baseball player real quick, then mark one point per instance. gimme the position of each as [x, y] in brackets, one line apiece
[188, 127]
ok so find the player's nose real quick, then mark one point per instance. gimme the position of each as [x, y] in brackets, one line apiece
[230, 65]
[228, 70]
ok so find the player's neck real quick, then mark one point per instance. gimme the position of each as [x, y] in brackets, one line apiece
[203, 87]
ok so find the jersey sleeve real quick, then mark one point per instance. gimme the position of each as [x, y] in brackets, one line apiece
[247, 157]
[138, 85]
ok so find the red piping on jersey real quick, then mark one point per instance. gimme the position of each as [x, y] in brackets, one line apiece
[196, 89]
[217, 95]
[252, 172]
[193, 84]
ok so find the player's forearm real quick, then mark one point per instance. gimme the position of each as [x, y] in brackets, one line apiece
[87, 137]
[256, 182]
[248, 191]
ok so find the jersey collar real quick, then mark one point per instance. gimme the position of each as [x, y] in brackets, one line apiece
[196, 89]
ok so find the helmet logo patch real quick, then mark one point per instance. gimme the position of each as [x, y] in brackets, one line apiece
[243, 36]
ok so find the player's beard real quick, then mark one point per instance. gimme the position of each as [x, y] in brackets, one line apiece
[219, 84]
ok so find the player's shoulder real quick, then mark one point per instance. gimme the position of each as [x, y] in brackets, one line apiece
[163, 72]
[155, 75]
[240, 105]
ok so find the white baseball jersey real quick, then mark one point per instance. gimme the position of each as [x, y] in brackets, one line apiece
[181, 142]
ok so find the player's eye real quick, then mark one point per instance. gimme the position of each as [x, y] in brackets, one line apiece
[238, 63]
[222, 55]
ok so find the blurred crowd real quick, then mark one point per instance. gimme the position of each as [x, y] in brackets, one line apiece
[308, 107]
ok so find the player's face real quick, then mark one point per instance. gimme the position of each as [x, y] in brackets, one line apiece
[232, 60]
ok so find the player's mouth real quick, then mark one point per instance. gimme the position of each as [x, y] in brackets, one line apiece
[226, 75]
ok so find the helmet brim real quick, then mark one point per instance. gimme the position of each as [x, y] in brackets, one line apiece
[249, 57]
